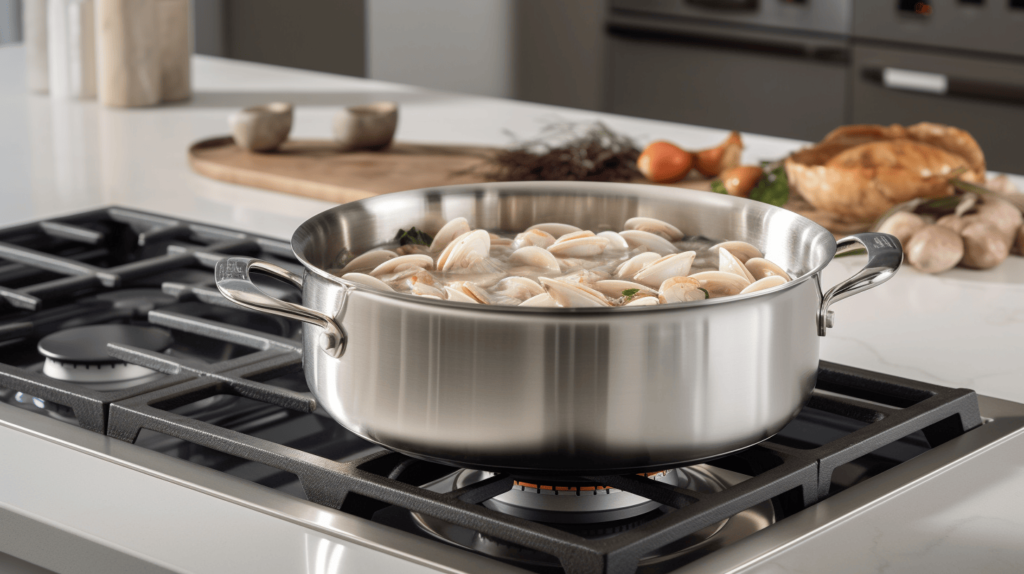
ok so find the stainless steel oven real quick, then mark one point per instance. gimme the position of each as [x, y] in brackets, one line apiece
[799, 68]
[768, 67]
[954, 62]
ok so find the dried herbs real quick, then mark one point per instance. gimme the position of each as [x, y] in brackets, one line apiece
[566, 152]
[593, 152]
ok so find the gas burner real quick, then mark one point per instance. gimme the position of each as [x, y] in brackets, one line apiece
[594, 512]
[79, 355]
[572, 502]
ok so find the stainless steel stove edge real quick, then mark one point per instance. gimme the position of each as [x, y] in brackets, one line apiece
[17, 423]
[1004, 421]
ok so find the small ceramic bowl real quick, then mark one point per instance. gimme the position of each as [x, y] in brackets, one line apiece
[261, 128]
[366, 127]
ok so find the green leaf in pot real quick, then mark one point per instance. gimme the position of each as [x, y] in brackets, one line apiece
[718, 187]
[413, 236]
[630, 293]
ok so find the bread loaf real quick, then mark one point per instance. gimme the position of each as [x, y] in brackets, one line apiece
[858, 172]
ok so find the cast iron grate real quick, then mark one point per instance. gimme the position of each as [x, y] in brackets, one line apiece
[789, 477]
[54, 262]
[54, 274]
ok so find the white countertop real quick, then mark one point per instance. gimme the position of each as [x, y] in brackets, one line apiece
[963, 328]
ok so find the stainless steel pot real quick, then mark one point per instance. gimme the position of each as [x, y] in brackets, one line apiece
[550, 391]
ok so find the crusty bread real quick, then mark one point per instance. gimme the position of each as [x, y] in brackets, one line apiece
[858, 172]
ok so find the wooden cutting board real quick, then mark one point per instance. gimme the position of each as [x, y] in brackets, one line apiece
[315, 168]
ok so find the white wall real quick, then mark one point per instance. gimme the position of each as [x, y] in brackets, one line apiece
[454, 45]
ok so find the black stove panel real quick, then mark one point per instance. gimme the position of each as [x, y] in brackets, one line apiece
[110, 269]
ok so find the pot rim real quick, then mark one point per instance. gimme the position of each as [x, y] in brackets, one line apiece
[592, 186]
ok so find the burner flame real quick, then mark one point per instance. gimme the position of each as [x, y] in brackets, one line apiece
[577, 489]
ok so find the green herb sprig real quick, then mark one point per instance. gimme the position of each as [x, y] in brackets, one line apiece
[942, 205]
[966, 186]
[630, 293]
[773, 188]
[706, 294]
[413, 236]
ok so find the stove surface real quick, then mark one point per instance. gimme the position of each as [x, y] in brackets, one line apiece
[112, 324]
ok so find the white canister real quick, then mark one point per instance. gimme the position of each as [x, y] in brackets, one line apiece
[128, 50]
[36, 60]
[71, 48]
[175, 50]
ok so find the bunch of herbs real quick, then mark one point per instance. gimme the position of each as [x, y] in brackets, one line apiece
[565, 151]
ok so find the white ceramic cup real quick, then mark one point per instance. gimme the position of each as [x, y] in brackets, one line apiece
[261, 128]
[366, 127]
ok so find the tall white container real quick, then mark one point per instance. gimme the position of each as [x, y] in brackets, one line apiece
[129, 53]
[36, 59]
[175, 50]
[71, 48]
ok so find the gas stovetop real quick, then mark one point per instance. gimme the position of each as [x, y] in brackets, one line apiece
[112, 323]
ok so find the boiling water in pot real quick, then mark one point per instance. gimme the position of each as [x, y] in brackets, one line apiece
[650, 262]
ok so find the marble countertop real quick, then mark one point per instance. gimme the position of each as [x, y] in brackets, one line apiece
[962, 328]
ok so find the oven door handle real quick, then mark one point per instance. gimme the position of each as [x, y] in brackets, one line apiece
[725, 4]
[736, 38]
[937, 84]
[915, 81]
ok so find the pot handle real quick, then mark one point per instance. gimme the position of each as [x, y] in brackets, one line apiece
[885, 255]
[232, 276]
